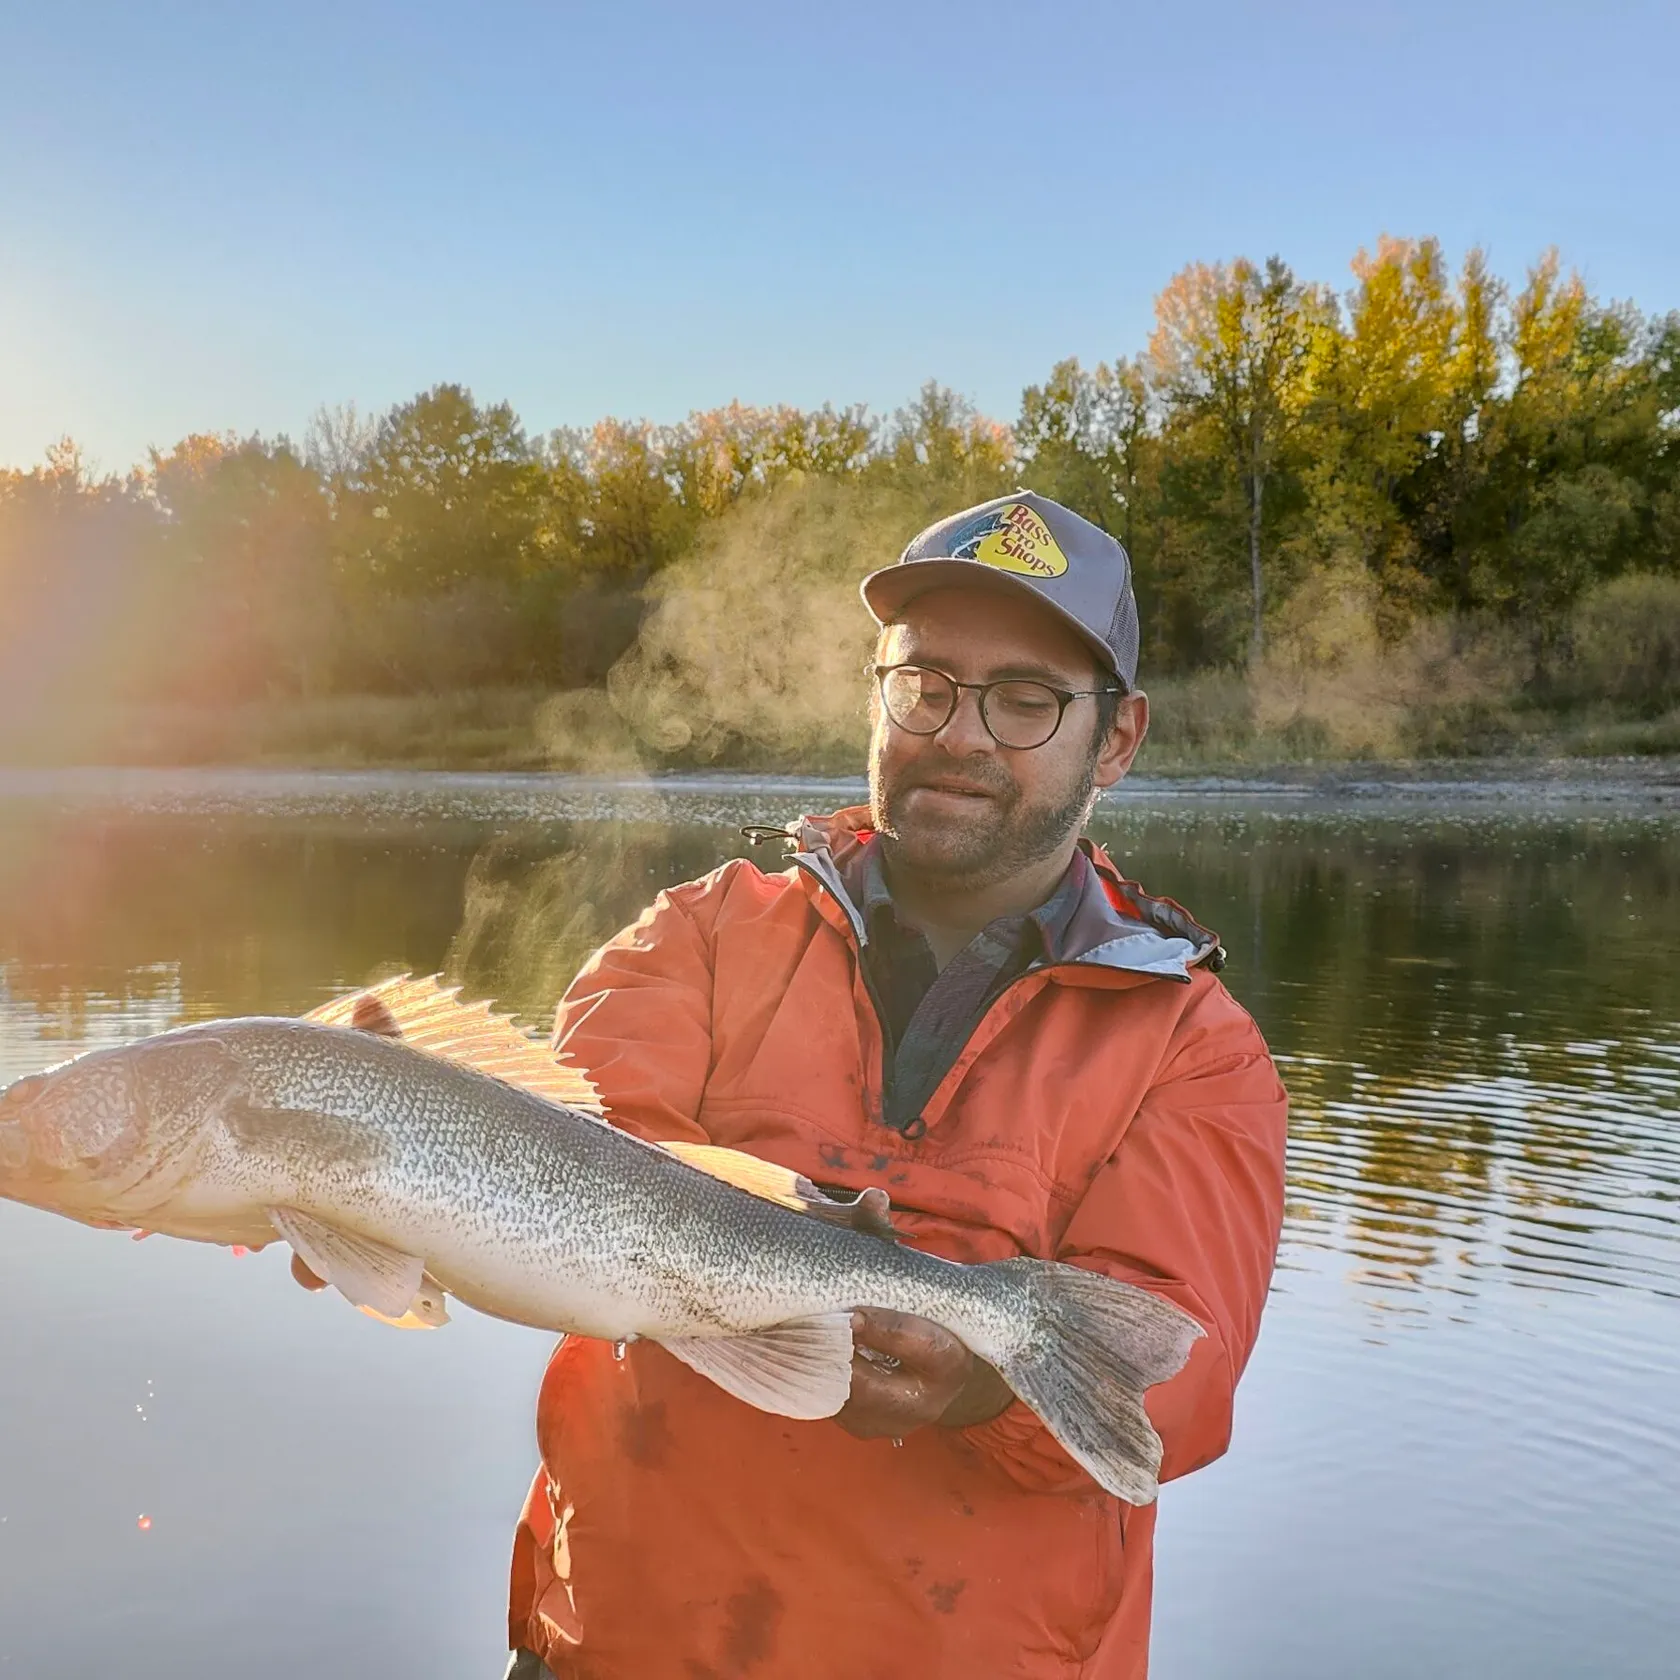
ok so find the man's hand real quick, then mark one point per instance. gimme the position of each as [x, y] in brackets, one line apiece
[908, 1371]
[304, 1276]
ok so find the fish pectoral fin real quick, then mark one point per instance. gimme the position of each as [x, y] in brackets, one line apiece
[802, 1369]
[867, 1212]
[364, 1272]
[427, 1311]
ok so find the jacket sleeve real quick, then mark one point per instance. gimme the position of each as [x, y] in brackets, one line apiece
[638, 1019]
[1189, 1206]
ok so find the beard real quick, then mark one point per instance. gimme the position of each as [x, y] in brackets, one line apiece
[1003, 834]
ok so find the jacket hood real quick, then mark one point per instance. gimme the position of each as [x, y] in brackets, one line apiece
[1116, 925]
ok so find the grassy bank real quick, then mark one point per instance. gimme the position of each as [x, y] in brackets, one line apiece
[1208, 723]
[473, 729]
[1213, 722]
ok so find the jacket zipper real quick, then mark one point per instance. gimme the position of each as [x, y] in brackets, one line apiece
[917, 1127]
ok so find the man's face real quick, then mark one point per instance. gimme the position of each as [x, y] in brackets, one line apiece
[956, 804]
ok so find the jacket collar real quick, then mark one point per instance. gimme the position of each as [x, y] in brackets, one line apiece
[1115, 925]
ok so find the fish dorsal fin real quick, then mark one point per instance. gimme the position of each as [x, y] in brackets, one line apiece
[867, 1213]
[802, 1369]
[428, 1016]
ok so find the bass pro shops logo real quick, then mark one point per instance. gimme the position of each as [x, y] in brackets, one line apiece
[1014, 539]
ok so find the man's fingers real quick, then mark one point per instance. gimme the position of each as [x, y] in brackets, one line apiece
[905, 1372]
[916, 1343]
[878, 1390]
[885, 1402]
[304, 1276]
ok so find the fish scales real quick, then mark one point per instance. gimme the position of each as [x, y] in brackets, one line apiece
[477, 1173]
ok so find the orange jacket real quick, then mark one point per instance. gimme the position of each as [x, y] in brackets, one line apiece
[1117, 1110]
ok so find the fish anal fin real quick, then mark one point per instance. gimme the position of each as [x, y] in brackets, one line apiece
[868, 1212]
[366, 1273]
[430, 1016]
[802, 1369]
[427, 1311]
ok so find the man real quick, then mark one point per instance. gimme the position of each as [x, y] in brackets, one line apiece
[952, 995]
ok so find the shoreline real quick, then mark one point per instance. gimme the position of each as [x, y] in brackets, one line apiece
[1642, 785]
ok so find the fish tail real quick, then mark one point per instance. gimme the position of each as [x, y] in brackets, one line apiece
[1094, 1347]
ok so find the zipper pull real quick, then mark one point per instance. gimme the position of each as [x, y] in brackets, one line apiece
[756, 834]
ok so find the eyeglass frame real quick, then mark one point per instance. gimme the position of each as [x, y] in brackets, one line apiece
[1064, 698]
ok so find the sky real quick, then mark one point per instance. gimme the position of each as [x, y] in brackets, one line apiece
[218, 217]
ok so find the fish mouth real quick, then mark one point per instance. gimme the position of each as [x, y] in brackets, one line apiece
[15, 1102]
[14, 1150]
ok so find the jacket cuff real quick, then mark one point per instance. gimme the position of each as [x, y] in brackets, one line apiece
[1027, 1453]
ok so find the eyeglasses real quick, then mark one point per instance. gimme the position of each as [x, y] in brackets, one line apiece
[1016, 712]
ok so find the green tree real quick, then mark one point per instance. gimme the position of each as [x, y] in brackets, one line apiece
[74, 547]
[244, 564]
[947, 449]
[1380, 408]
[1083, 436]
[1575, 449]
[1443, 499]
[623, 499]
[1231, 353]
[448, 493]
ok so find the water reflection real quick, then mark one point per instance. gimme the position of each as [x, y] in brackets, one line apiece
[1478, 1024]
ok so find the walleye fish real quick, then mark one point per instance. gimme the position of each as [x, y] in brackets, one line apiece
[409, 1148]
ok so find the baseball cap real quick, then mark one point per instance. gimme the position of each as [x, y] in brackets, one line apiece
[1028, 542]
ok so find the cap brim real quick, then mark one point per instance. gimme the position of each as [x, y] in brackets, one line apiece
[887, 592]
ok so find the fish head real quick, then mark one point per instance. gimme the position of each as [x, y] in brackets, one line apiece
[58, 1127]
[81, 1138]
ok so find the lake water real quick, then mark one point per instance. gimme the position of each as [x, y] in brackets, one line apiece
[1455, 1450]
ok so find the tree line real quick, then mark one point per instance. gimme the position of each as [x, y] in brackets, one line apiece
[1424, 441]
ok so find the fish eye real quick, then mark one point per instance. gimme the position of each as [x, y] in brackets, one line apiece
[23, 1090]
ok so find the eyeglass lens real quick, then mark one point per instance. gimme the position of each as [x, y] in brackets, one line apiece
[1018, 714]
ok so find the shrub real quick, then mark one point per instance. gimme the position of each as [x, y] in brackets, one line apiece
[1625, 640]
[1207, 716]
